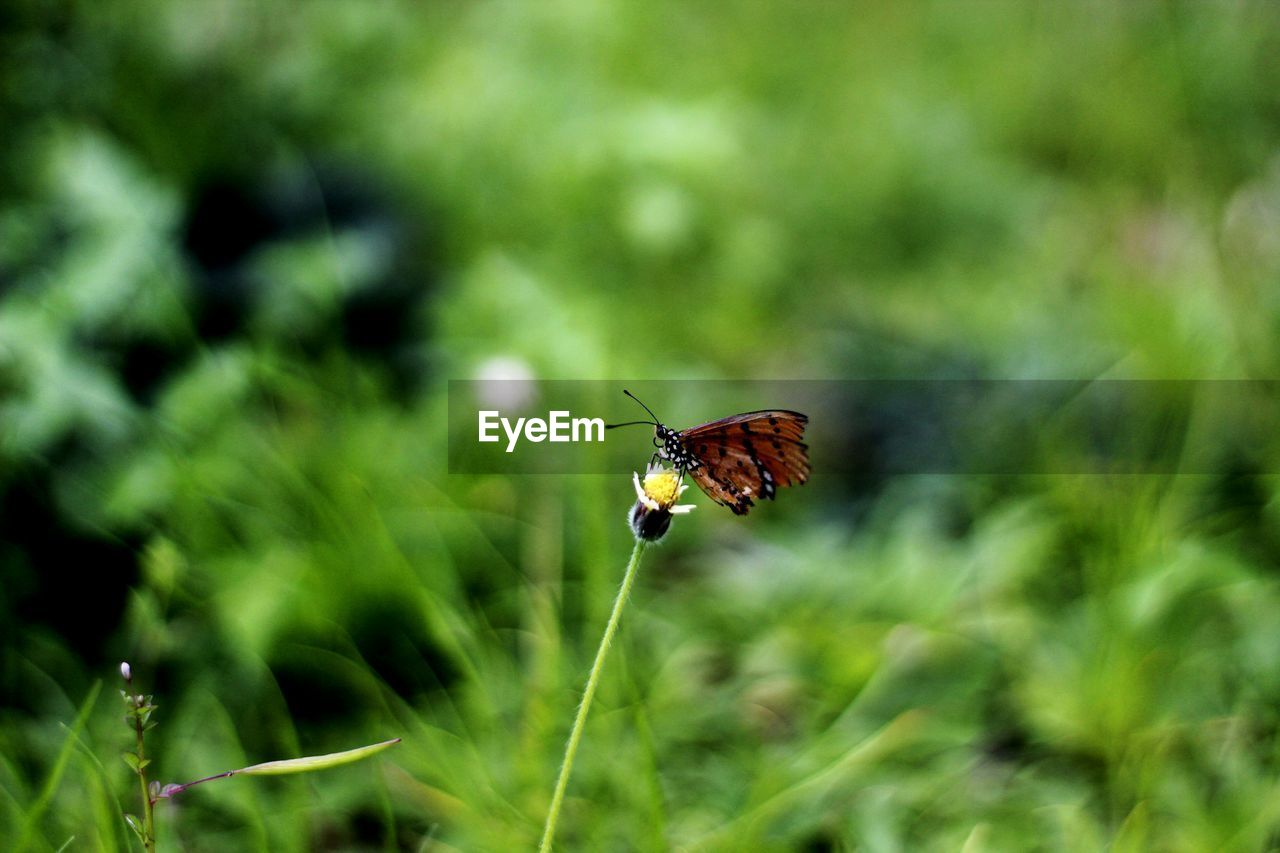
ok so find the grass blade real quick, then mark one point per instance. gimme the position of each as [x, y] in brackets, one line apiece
[41, 804]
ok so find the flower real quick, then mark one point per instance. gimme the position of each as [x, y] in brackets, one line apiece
[656, 502]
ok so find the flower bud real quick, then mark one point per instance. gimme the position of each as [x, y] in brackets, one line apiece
[649, 524]
[656, 498]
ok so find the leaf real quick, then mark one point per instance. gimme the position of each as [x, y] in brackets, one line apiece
[136, 826]
[315, 762]
[131, 759]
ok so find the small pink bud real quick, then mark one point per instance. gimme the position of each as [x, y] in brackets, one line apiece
[125, 672]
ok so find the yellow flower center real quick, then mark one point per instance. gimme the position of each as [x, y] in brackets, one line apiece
[662, 486]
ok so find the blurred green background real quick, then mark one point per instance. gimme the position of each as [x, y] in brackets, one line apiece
[243, 246]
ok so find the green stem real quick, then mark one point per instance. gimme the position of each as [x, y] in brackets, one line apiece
[579, 723]
[148, 806]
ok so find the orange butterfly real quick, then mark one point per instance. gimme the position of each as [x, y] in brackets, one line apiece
[738, 458]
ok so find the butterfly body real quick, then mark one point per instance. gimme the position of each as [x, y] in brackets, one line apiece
[740, 458]
[671, 448]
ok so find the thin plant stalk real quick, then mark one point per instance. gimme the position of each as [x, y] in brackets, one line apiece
[139, 707]
[593, 680]
[148, 804]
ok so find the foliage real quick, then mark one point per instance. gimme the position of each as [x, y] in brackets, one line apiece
[242, 247]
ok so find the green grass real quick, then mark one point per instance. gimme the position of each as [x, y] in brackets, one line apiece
[634, 191]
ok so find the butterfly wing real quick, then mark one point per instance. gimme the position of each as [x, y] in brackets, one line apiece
[748, 456]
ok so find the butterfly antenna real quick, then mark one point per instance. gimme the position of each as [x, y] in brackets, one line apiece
[642, 405]
[653, 422]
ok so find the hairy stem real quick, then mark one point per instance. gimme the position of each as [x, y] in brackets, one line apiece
[579, 722]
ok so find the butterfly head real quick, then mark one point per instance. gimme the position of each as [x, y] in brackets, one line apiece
[671, 447]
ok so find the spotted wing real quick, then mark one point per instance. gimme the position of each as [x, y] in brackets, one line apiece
[748, 456]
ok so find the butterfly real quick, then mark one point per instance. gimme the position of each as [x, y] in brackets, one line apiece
[739, 458]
